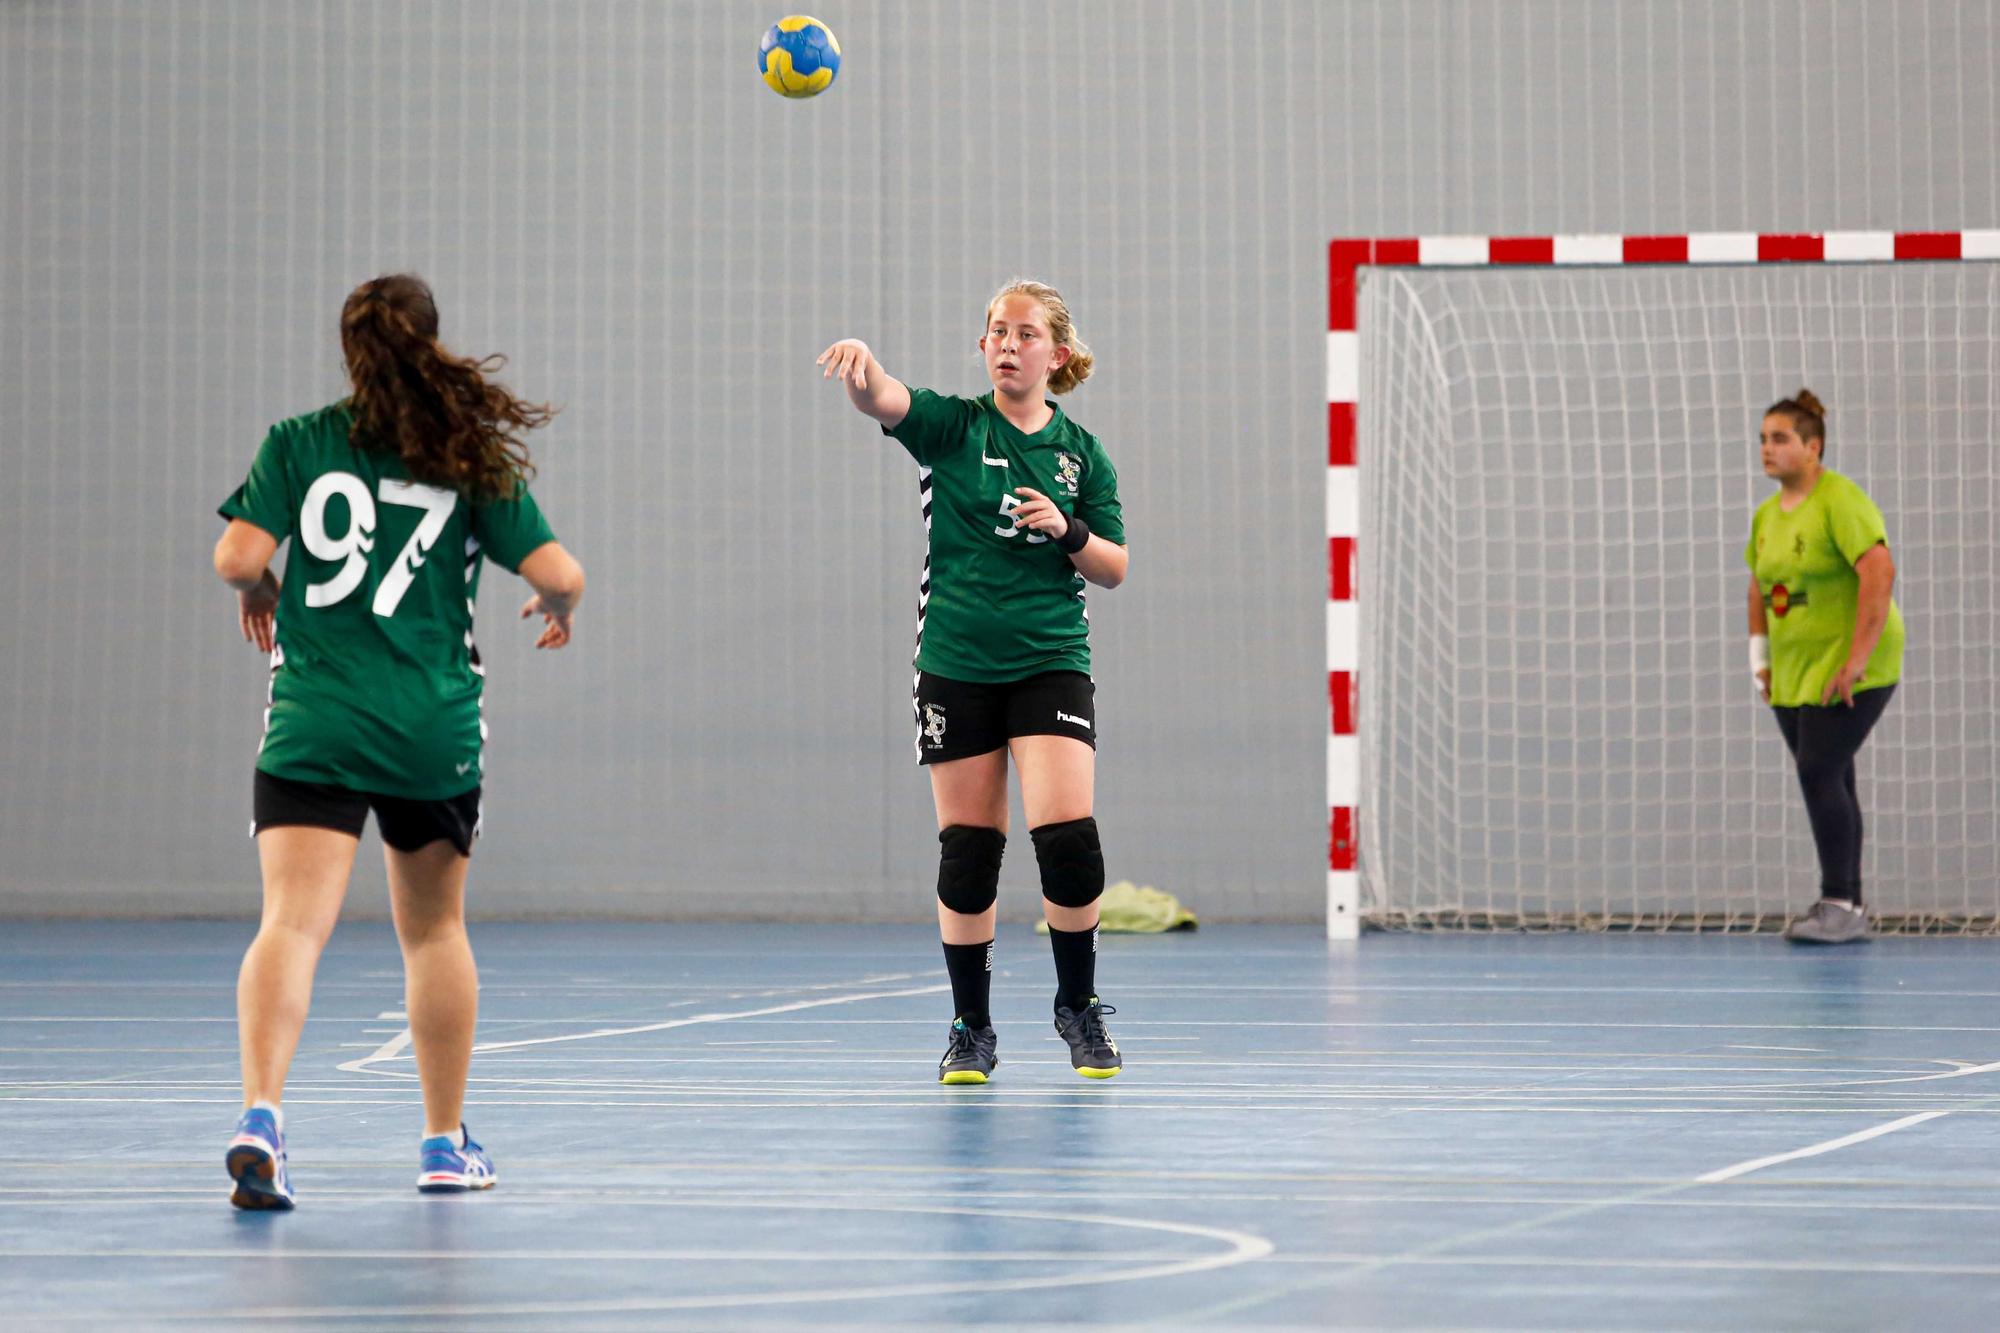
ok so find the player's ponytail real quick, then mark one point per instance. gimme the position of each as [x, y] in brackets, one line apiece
[1808, 416]
[1073, 371]
[449, 423]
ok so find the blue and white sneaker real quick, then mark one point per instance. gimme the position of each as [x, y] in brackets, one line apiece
[453, 1166]
[256, 1162]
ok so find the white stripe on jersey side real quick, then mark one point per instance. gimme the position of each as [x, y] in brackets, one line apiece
[270, 701]
[271, 688]
[478, 669]
[924, 588]
[472, 571]
[923, 603]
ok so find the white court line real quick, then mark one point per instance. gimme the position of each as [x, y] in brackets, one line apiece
[614, 1256]
[1129, 1187]
[1018, 980]
[694, 1019]
[1705, 1263]
[1091, 1097]
[1759, 1163]
[1243, 1247]
[1151, 1094]
[1433, 1252]
[393, 1047]
[1546, 1025]
[644, 1196]
[538, 1070]
[1364, 1026]
[1962, 1071]
[388, 1050]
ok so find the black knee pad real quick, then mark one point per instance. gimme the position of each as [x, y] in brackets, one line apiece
[969, 867]
[1072, 862]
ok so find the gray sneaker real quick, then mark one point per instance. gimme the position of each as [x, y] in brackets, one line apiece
[1091, 1049]
[972, 1056]
[1829, 921]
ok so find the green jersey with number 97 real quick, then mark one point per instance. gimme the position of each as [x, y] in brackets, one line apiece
[375, 682]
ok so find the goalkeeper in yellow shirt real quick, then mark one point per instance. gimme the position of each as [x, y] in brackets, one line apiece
[1826, 643]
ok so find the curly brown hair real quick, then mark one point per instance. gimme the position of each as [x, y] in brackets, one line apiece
[451, 425]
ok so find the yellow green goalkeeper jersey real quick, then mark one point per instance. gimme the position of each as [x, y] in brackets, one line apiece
[375, 681]
[1000, 602]
[1804, 563]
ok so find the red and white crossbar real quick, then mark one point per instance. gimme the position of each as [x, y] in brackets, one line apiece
[1343, 392]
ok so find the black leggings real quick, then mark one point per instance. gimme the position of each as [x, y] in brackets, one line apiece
[1824, 742]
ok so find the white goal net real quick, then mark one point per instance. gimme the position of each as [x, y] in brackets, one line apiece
[1558, 468]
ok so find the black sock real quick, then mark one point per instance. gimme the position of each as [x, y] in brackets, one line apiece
[1076, 966]
[971, 969]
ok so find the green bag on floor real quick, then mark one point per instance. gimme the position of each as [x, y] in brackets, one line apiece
[1131, 909]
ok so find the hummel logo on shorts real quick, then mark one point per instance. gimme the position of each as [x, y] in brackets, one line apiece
[1083, 722]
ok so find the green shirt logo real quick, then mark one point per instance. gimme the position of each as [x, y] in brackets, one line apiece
[1067, 471]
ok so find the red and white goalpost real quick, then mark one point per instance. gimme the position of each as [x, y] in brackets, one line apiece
[1922, 348]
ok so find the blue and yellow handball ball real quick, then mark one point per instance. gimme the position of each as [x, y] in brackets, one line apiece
[798, 57]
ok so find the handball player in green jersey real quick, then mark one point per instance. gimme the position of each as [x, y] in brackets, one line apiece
[1826, 643]
[393, 499]
[1021, 507]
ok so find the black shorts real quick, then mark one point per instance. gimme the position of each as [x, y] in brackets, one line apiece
[406, 825]
[957, 719]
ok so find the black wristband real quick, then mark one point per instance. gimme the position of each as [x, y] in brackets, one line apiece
[1074, 537]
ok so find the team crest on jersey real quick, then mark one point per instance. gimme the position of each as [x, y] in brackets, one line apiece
[934, 726]
[1068, 469]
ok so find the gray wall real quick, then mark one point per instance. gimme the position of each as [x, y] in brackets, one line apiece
[605, 192]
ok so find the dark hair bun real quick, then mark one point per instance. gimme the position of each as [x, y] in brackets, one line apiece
[1811, 403]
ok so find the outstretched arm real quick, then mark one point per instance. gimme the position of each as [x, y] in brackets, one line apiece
[870, 388]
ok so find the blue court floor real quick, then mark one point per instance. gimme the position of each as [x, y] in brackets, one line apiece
[738, 1126]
